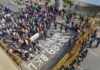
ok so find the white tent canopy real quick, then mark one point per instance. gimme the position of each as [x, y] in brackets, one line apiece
[95, 2]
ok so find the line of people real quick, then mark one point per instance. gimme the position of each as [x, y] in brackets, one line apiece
[93, 39]
[82, 55]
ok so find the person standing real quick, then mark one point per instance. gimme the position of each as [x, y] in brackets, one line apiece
[66, 28]
[93, 38]
[45, 33]
[98, 42]
[51, 34]
[61, 27]
[68, 67]
[55, 25]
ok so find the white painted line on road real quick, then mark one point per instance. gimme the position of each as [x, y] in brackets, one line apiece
[90, 51]
[80, 68]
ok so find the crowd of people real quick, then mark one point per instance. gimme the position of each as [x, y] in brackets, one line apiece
[16, 28]
[82, 55]
[19, 27]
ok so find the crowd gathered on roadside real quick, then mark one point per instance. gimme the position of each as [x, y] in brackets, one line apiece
[16, 28]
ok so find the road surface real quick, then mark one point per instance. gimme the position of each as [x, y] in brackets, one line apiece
[11, 5]
[92, 61]
[6, 63]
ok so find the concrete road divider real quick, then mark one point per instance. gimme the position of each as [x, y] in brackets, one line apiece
[14, 57]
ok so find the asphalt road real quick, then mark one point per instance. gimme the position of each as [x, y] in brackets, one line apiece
[92, 62]
[10, 4]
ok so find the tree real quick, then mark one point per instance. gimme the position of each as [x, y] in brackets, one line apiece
[68, 1]
[65, 5]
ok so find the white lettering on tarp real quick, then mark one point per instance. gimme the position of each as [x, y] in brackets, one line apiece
[31, 66]
[50, 51]
[46, 55]
[60, 44]
[41, 59]
[38, 61]
[55, 47]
